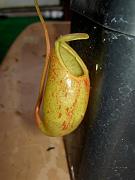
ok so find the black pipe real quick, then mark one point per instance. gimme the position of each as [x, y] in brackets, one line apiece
[109, 148]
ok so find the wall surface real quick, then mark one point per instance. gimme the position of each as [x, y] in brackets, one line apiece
[16, 3]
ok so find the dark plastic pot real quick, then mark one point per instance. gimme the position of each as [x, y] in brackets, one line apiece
[109, 144]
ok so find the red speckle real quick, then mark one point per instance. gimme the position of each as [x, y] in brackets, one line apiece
[69, 113]
[65, 125]
[59, 115]
[86, 81]
[87, 84]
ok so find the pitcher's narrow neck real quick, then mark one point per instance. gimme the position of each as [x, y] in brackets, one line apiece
[68, 57]
[70, 61]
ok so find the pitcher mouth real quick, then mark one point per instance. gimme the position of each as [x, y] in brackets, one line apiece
[70, 60]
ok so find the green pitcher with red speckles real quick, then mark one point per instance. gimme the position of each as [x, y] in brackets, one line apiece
[65, 86]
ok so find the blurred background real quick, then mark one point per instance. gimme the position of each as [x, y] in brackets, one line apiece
[16, 15]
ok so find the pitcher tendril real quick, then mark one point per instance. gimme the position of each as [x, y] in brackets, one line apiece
[42, 83]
